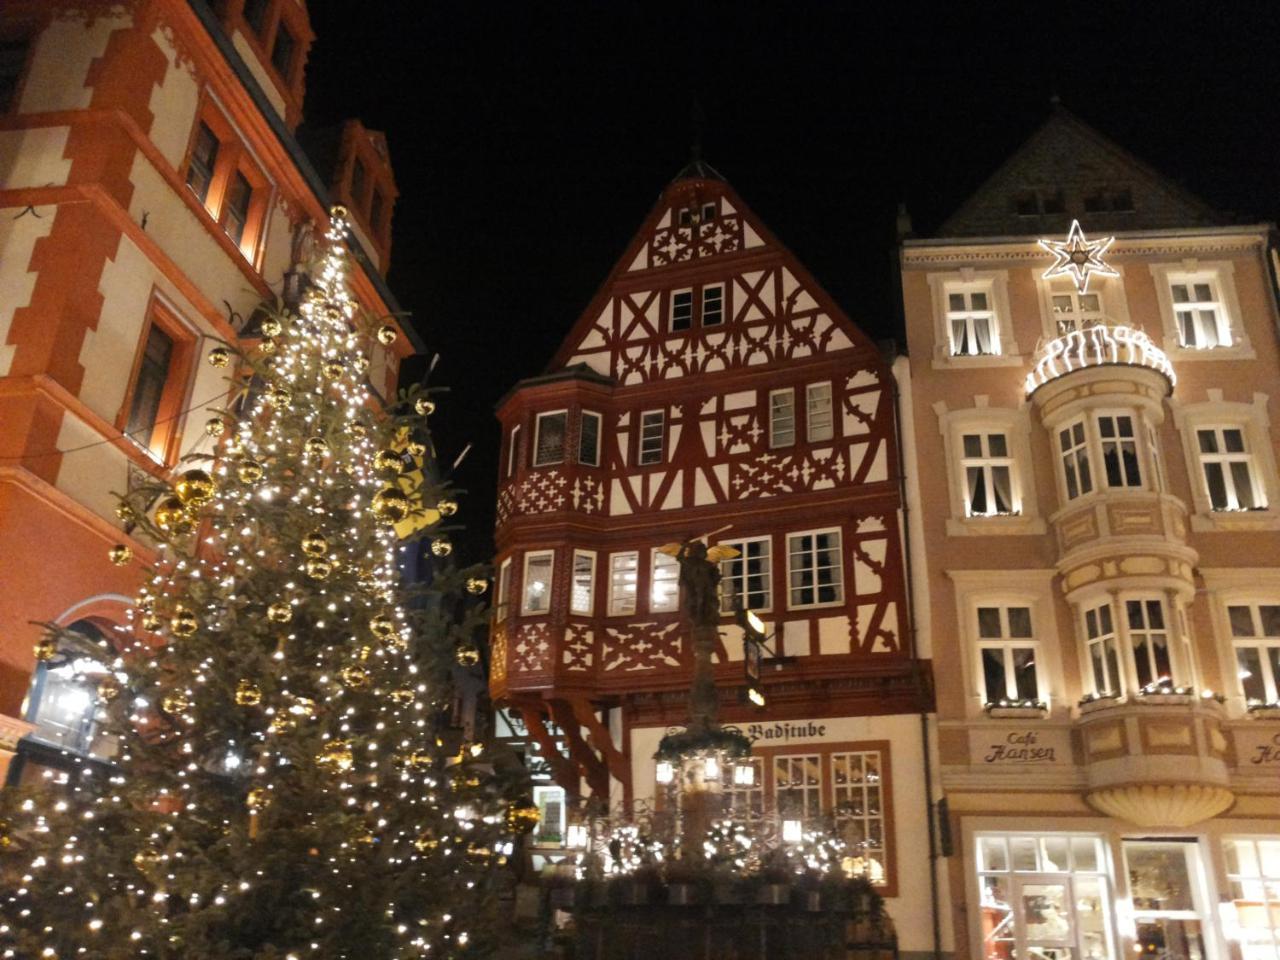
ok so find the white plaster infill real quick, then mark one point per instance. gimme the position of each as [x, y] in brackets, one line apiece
[1095, 346]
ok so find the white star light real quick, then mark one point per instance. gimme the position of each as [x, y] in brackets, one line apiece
[1078, 258]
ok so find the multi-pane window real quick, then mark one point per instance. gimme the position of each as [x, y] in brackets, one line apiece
[746, 578]
[624, 571]
[1103, 650]
[548, 438]
[712, 305]
[1044, 896]
[664, 583]
[1229, 475]
[988, 475]
[589, 439]
[682, 310]
[1007, 648]
[204, 157]
[503, 605]
[1253, 873]
[552, 815]
[1168, 916]
[819, 424]
[1074, 453]
[652, 437]
[65, 705]
[972, 323]
[1119, 450]
[583, 583]
[235, 206]
[1255, 635]
[814, 570]
[782, 417]
[1073, 310]
[1149, 642]
[797, 785]
[857, 796]
[513, 450]
[1202, 322]
[148, 388]
[745, 801]
[537, 582]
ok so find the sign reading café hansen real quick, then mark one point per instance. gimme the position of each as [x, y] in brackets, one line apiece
[1018, 747]
[1258, 750]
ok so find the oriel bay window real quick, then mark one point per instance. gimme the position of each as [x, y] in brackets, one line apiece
[1102, 649]
[589, 439]
[1074, 454]
[624, 571]
[1109, 445]
[1119, 450]
[815, 573]
[746, 578]
[537, 582]
[1140, 651]
[1255, 635]
[988, 475]
[548, 438]
[583, 587]
[1149, 642]
[664, 583]
[1007, 651]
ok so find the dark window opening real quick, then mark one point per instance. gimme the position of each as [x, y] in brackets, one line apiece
[1026, 204]
[204, 156]
[148, 389]
[682, 310]
[377, 206]
[282, 50]
[239, 195]
[255, 14]
[1053, 202]
[358, 180]
[708, 212]
[13, 57]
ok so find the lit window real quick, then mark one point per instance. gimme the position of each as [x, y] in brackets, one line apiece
[797, 786]
[1255, 634]
[712, 306]
[1149, 642]
[513, 450]
[502, 606]
[548, 440]
[1202, 321]
[814, 571]
[235, 207]
[148, 388]
[1007, 649]
[972, 323]
[1164, 889]
[1074, 453]
[664, 585]
[681, 309]
[582, 590]
[152, 417]
[747, 577]
[858, 803]
[589, 439]
[819, 423]
[1227, 465]
[1253, 871]
[624, 569]
[988, 475]
[1119, 451]
[550, 802]
[204, 158]
[537, 582]
[1073, 310]
[782, 418]
[745, 801]
[223, 176]
[1103, 650]
[65, 706]
[282, 50]
[652, 437]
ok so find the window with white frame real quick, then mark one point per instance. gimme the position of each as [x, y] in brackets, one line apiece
[1255, 636]
[537, 582]
[1197, 307]
[1231, 480]
[819, 423]
[1153, 450]
[797, 785]
[988, 475]
[582, 588]
[681, 309]
[1103, 649]
[652, 437]
[712, 305]
[513, 450]
[548, 438]
[815, 573]
[1169, 914]
[858, 805]
[589, 439]
[1008, 653]
[501, 607]
[782, 417]
[971, 321]
[1253, 875]
[747, 578]
[1148, 641]
[624, 571]
[550, 801]
[664, 583]
[1073, 452]
[1119, 440]
[1044, 896]
[1073, 310]
[745, 801]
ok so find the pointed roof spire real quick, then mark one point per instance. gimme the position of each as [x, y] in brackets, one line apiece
[697, 168]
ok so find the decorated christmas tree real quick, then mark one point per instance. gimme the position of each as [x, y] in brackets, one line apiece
[285, 783]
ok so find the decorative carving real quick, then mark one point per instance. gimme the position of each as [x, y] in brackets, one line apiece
[578, 651]
[641, 646]
[531, 651]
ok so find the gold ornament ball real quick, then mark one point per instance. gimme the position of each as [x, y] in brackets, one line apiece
[108, 688]
[280, 612]
[390, 505]
[424, 406]
[318, 568]
[46, 649]
[354, 677]
[183, 623]
[360, 362]
[215, 427]
[333, 369]
[248, 694]
[426, 842]
[387, 334]
[219, 357]
[387, 461]
[125, 512]
[358, 430]
[195, 488]
[336, 754]
[258, 798]
[415, 448]
[315, 447]
[281, 723]
[467, 654]
[249, 471]
[120, 554]
[403, 696]
[172, 516]
[447, 508]
[150, 622]
[477, 585]
[278, 398]
[382, 627]
[175, 703]
[441, 547]
[271, 327]
[314, 544]
[338, 212]
[522, 817]
[146, 858]
[267, 345]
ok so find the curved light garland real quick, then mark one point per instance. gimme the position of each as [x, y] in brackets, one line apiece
[1097, 346]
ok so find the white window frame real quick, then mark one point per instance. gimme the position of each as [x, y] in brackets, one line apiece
[588, 608]
[1258, 885]
[1006, 644]
[671, 318]
[1220, 275]
[996, 283]
[1258, 641]
[671, 573]
[1117, 441]
[617, 605]
[727, 597]
[542, 792]
[537, 437]
[502, 607]
[595, 461]
[838, 566]
[1234, 491]
[513, 450]
[816, 416]
[702, 317]
[1148, 631]
[646, 456]
[1106, 639]
[1113, 304]
[809, 797]
[973, 317]
[526, 609]
[1072, 453]
[782, 418]
[987, 463]
[1015, 424]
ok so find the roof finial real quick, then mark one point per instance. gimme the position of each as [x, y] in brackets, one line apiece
[697, 119]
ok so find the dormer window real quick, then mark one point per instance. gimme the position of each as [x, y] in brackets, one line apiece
[1109, 200]
[1034, 203]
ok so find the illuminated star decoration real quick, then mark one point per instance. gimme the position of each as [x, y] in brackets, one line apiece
[1078, 258]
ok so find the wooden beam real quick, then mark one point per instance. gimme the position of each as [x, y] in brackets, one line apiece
[598, 737]
[564, 771]
[593, 768]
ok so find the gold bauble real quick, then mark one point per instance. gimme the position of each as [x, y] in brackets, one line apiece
[424, 406]
[441, 546]
[219, 357]
[248, 694]
[46, 649]
[382, 627]
[172, 516]
[249, 471]
[267, 345]
[390, 505]
[145, 601]
[302, 707]
[358, 430]
[125, 512]
[195, 488]
[418, 760]
[318, 568]
[477, 585]
[402, 696]
[281, 723]
[447, 508]
[175, 703]
[333, 369]
[315, 447]
[364, 653]
[467, 654]
[280, 612]
[146, 858]
[368, 583]
[271, 327]
[314, 544]
[278, 397]
[360, 362]
[215, 427]
[522, 817]
[150, 622]
[183, 623]
[258, 798]
[354, 677]
[387, 461]
[120, 554]
[425, 842]
[338, 212]
[387, 334]
[336, 754]
[108, 688]
[396, 644]
[415, 448]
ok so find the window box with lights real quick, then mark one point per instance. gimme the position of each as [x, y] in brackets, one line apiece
[1017, 710]
[1264, 711]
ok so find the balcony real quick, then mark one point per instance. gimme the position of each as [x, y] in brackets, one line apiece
[1099, 345]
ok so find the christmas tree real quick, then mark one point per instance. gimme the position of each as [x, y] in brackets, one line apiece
[284, 784]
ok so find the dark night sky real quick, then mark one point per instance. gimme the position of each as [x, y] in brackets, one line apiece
[530, 139]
